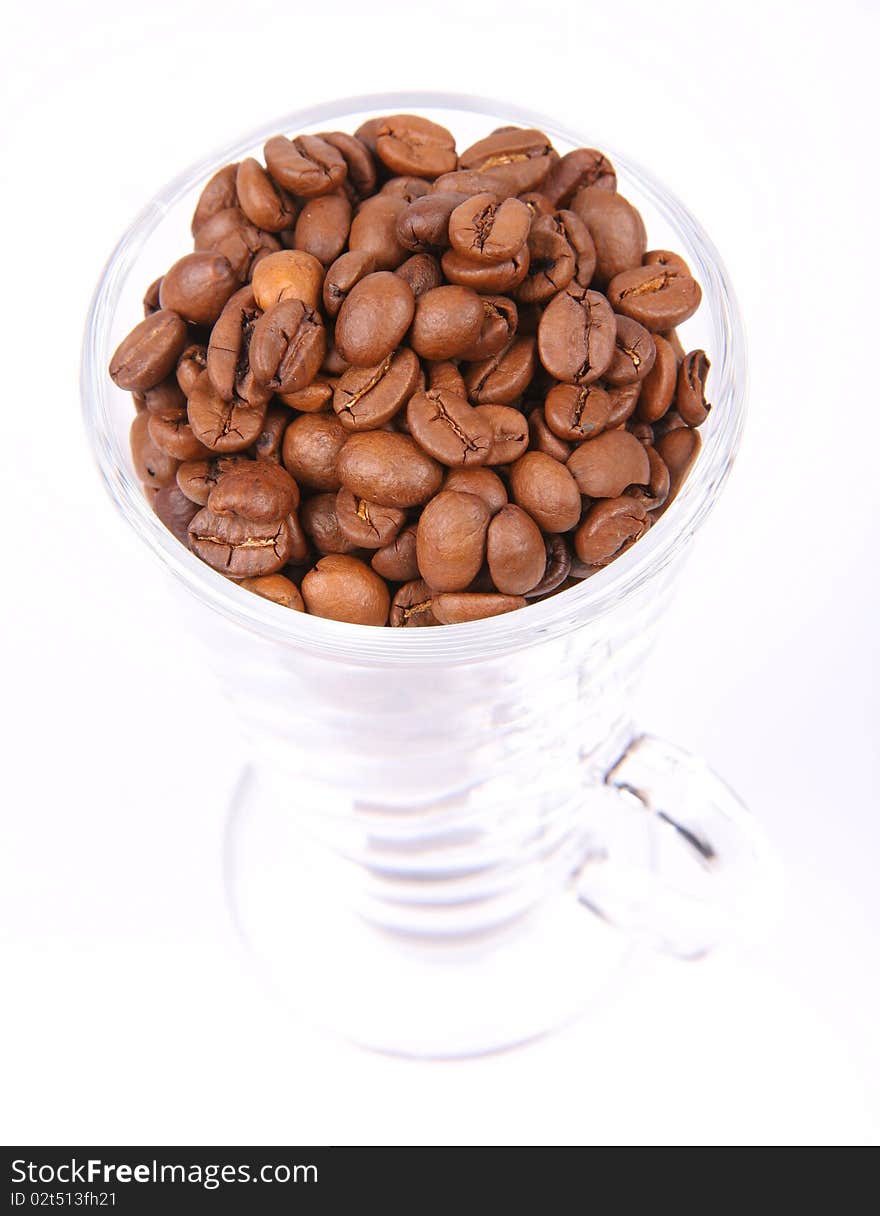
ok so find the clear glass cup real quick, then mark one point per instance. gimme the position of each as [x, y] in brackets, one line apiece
[449, 840]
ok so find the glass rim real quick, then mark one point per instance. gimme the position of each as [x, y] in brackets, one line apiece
[558, 614]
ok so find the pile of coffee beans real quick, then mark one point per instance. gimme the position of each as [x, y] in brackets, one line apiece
[400, 384]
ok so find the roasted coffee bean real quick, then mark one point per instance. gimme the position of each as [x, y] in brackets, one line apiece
[459, 608]
[485, 230]
[175, 437]
[358, 159]
[510, 432]
[656, 492]
[422, 272]
[320, 522]
[603, 467]
[322, 227]
[522, 158]
[542, 439]
[197, 287]
[546, 490]
[574, 413]
[255, 490]
[411, 606]
[556, 569]
[228, 364]
[376, 314]
[482, 482]
[368, 397]
[334, 365]
[634, 353]
[447, 321]
[366, 524]
[166, 400]
[663, 257]
[290, 274]
[197, 478]
[219, 194]
[609, 528]
[486, 277]
[678, 450]
[278, 589]
[390, 469]
[643, 431]
[671, 336]
[311, 448]
[266, 205]
[538, 204]
[515, 551]
[287, 346]
[578, 236]
[657, 297]
[374, 231]
[581, 168]
[446, 375]
[152, 466]
[624, 398]
[150, 352]
[497, 328]
[348, 269]
[192, 362]
[151, 297]
[616, 228]
[504, 377]
[658, 388]
[175, 510]
[231, 234]
[223, 426]
[551, 261]
[312, 399]
[397, 560]
[690, 392]
[423, 226]
[469, 182]
[406, 188]
[342, 588]
[267, 445]
[306, 166]
[671, 421]
[448, 428]
[576, 335]
[451, 540]
[240, 548]
[409, 144]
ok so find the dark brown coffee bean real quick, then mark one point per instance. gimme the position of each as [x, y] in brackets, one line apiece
[497, 328]
[409, 144]
[656, 492]
[574, 413]
[482, 482]
[290, 274]
[678, 450]
[422, 272]
[366, 524]
[151, 297]
[510, 432]
[423, 226]
[197, 286]
[278, 589]
[320, 522]
[322, 227]
[219, 194]
[504, 377]
[609, 528]
[368, 397]
[576, 335]
[348, 269]
[577, 169]
[658, 388]
[624, 398]
[150, 352]
[603, 467]
[485, 230]
[311, 448]
[342, 588]
[451, 540]
[616, 228]
[542, 439]
[447, 321]
[152, 466]
[397, 561]
[287, 346]
[546, 490]
[267, 445]
[223, 426]
[556, 569]
[166, 400]
[239, 548]
[522, 158]
[374, 231]
[448, 428]
[359, 160]
[690, 392]
[266, 205]
[515, 551]
[486, 278]
[231, 234]
[228, 362]
[175, 437]
[411, 606]
[634, 353]
[551, 261]
[306, 166]
[376, 314]
[197, 478]
[175, 510]
[387, 468]
[255, 490]
[655, 296]
[461, 607]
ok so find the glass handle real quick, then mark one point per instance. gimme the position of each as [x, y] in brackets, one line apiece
[678, 859]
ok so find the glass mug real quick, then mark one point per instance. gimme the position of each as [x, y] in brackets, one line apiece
[450, 840]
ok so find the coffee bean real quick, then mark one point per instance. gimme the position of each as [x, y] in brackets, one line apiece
[657, 297]
[663, 257]
[482, 482]
[469, 182]
[390, 469]
[538, 204]
[322, 227]
[603, 467]
[228, 362]
[609, 528]
[306, 166]
[231, 234]
[358, 159]
[374, 231]
[255, 490]
[422, 272]
[150, 352]
[266, 205]
[447, 321]
[320, 522]
[152, 466]
[556, 569]
[278, 589]
[166, 400]
[485, 277]
[175, 511]
[522, 158]
[342, 588]
[485, 230]
[312, 399]
[542, 439]
[578, 236]
[366, 524]
[223, 426]
[409, 144]
[197, 478]
[240, 548]
[311, 448]
[191, 363]
[175, 437]
[581, 168]
[503, 377]
[616, 228]
[151, 297]
[368, 397]
[546, 490]
[576, 335]
[290, 274]
[576, 414]
[446, 375]
[397, 561]
[515, 551]
[634, 353]
[551, 261]
[411, 606]
[423, 226]
[690, 392]
[451, 540]
[510, 432]
[407, 189]
[497, 328]
[457, 609]
[219, 194]
[623, 398]
[376, 314]
[448, 428]
[678, 450]
[287, 346]
[267, 445]
[656, 492]
[658, 388]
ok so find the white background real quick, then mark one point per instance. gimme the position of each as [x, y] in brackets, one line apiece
[127, 1016]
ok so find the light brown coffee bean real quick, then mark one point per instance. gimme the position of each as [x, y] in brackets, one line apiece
[447, 321]
[368, 397]
[152, 466]
[197, 478]
[397, 560]
[634, 353]
[448, 428]
[374, 231]
[497, 328]
[278, 589]
[520, 157]
[410, 144]
[485, 230]
[197, 287]
[175, 437]
[290, 274]
[552, 261]
[322, 227]
[503, 377]
[488, 278]
[222, 426]
[311, 449]
[616, 228]
[658, 388]
[546, 490]
[609, 528]
[411, 606]
[342, 588]
[348, 269]
[657, 297]
[150, 352]
[482, 482]
[459, 608]
[255, 490]
[510, 432]
[451, 540]
[388, 469]
[690, 391]
[515, 551]
[603, 467]
[287, 346]
[374, 318]
[312, 399]
[366, 524]
[542, 439]
[576, 335]
[264, 203]
[306, 165]
[574, 413]
[239, 548]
